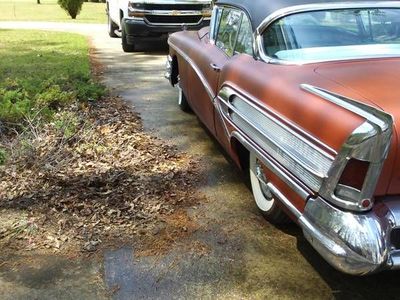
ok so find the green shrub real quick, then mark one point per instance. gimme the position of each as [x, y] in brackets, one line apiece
[72, 7]
[89, 91]
[14, 105]
[53, 98]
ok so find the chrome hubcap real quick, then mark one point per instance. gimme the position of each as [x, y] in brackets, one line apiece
[263, 181]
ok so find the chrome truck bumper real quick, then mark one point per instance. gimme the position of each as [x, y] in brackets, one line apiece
[357, 244]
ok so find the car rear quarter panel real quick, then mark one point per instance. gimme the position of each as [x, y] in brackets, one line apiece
[276, 88]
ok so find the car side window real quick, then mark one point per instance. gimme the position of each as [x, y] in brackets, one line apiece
[228, 30]
[244, 43]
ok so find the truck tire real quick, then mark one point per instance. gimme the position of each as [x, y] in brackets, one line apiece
[125, 46]
[111, 26]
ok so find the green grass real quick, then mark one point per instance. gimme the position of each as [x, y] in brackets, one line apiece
[42, 72]
[49, 10]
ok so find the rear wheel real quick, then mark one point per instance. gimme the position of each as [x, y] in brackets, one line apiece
[125, 46]
[112, 27]
[265, 200]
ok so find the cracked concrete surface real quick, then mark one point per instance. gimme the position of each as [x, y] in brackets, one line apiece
[248, 258]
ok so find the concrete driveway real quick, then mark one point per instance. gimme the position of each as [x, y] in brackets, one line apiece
[247, 257]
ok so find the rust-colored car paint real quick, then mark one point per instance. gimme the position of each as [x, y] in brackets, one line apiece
[276, 89]
[376, 81]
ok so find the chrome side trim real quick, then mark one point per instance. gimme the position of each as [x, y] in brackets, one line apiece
[204, 81]
[259, 47]
[276, 138]
[313, 141]
[370, 113]
[269, 162]
[284, 200]
[233, 110]
[369, 142]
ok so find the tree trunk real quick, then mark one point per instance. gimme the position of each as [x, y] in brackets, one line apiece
[38, 1]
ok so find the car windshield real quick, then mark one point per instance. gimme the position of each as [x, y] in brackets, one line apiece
[334, 35]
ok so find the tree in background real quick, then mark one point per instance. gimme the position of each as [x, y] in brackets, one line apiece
[72, 7]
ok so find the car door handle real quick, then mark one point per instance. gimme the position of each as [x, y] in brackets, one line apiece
[215, 67]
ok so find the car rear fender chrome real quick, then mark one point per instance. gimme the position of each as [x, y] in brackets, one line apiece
[369, 142]
[296, 153]
[356, 244]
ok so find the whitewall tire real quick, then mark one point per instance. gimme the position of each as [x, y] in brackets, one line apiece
[265, 200]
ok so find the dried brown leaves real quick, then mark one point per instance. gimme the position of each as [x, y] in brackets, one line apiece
[89, 176]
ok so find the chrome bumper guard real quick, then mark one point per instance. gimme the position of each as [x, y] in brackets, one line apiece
[354, 243]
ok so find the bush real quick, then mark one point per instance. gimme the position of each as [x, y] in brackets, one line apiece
[72, 7]
[53, 98]
[14, 105]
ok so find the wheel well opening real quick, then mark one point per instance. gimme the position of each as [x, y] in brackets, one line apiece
[242, 154]
[175, 71]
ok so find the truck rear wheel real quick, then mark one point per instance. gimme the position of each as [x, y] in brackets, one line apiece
[112, 27]
[125, 46]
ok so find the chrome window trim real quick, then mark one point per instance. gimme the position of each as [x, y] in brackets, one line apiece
[213, 24]
[369, 142]
[258, 42]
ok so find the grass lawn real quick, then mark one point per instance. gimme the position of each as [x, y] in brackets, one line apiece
[49, 10]
[42, 71]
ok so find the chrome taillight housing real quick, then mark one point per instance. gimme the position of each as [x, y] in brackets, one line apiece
[323, 173]
[368, 144]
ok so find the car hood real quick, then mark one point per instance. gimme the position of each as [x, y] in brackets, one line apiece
[377, 83]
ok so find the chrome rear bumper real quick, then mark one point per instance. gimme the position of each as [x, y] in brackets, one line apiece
[357, 244]
[354, 243]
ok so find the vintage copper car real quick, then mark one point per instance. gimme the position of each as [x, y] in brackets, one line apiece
[305, 94]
